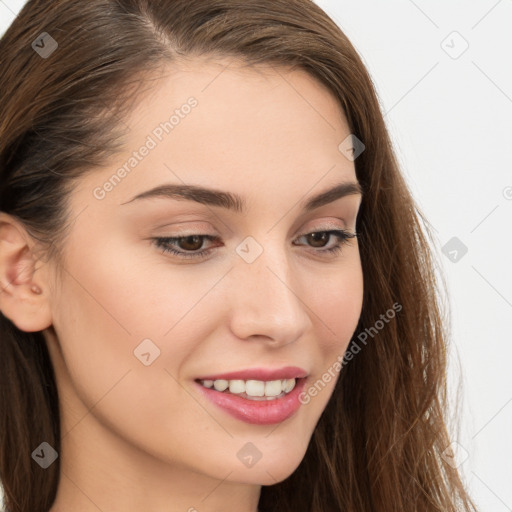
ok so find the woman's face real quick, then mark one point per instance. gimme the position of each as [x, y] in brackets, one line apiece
[136, 327]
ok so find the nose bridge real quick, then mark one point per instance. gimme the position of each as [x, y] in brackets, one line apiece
[264, 295]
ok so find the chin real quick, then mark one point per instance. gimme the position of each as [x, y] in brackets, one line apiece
[268, 472]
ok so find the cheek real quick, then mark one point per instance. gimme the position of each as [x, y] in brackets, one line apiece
[130, 295]
[338, 304]
[102, 315]
[95, 338]
[104, 311]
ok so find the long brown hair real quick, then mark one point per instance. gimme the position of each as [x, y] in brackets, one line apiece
[378, 445]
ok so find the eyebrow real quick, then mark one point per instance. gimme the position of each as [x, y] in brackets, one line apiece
[231, 201]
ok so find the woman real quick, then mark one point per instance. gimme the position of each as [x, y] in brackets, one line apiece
[216, 290]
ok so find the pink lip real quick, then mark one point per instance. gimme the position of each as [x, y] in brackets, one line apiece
[264, 412]
[288, 372]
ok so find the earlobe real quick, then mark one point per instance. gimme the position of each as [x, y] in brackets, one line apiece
[22, 297]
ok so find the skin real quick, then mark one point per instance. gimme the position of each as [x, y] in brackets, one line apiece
[139, 437]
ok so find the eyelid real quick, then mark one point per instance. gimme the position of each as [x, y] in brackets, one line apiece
[215, 237]
[324, 227]
[206, 228]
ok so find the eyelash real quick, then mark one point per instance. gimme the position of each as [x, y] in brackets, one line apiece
[165, 244]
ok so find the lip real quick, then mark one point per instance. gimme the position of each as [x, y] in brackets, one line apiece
[287, 372]
[264, 412]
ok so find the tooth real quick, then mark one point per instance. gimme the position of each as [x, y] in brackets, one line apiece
[221, 385]
[237, 386]
[273, 388]
[255, 388]
[288, 385]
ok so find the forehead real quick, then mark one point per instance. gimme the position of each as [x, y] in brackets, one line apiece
[231, 126]
[238, 107]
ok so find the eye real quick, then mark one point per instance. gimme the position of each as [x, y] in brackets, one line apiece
[318, 239]
[188, 243]
[187, 247]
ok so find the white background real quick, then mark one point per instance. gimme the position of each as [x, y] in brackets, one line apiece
[450, 117]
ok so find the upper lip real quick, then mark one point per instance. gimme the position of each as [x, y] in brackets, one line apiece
[265, 374]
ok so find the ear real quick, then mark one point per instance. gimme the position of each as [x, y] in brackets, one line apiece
[24, 290]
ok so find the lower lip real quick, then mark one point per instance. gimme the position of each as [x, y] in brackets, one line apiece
[259, 412]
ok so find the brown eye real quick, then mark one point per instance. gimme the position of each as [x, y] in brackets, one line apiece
[186, 246]
[191, 243]
[319, 239]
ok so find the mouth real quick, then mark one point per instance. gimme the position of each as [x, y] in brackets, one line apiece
[258, 396]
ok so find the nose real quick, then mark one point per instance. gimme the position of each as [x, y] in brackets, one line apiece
[267, 300]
